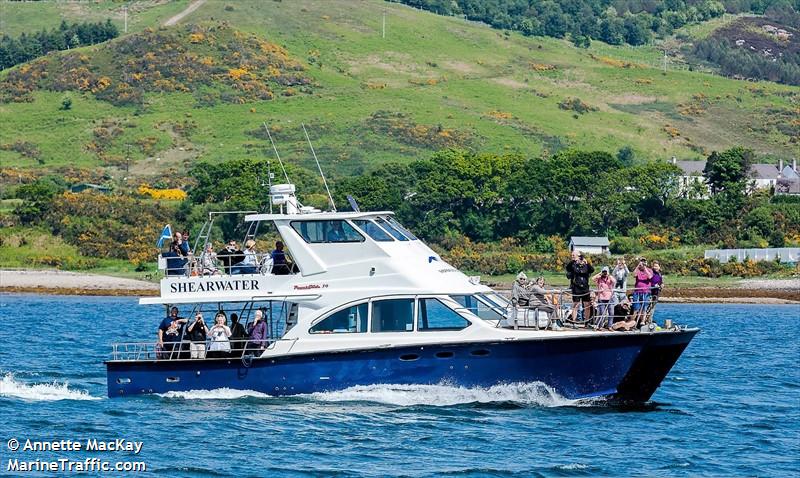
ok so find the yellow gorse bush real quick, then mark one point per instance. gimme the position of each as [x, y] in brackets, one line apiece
[168, 194]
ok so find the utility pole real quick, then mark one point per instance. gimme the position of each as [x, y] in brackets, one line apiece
[383, 30]
[125, 12]
[665, 61]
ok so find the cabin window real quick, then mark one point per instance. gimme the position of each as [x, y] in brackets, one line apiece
[400, 228]
[350, 320]
[373, 230]
[486, 310]
[391, 229]
[393, 315]
[321, 232]
[434, 315]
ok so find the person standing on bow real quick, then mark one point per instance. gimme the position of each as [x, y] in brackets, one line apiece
[641, 289]
[578, 272]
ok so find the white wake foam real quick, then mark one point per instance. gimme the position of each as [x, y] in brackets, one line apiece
[527, 394]
[215, 394]
[11, 388]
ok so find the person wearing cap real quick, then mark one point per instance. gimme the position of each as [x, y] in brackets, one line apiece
[605, 290]
[520, 290]
[578, 272]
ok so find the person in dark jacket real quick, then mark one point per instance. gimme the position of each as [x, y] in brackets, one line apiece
[230, 255]
[578, 273]
[238, 336]
[279, 265]
[177, 255]
[197, 333]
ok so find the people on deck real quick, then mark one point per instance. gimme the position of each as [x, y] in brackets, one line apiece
[248, 265]
[208, 261]
[623, 315]
[578, 272]
[220, 334]
[279, 264]
[605, 290]
[171, 337]
[174, 315]
[238, 336]
[620, 274]
[230, 255]
[197, 332]
[520, 291]
[177, 256]
[641, 289]
[258, 334]
[539, 297]
[656, 282]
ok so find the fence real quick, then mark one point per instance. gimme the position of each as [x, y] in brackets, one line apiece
[782, 254]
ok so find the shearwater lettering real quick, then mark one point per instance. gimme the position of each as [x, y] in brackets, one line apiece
[214, 286]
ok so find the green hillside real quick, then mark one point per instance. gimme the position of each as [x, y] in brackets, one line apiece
[432, 82]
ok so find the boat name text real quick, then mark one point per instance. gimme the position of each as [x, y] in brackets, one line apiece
[214, 286]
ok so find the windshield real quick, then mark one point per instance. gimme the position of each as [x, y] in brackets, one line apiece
[481, 306]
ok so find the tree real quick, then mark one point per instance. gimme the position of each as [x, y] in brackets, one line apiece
[728, 171]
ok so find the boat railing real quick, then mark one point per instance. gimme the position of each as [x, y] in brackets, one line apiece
[558, 307]
[188, 350]
[209, 264]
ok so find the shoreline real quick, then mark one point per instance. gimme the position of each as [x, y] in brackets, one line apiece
[55, 282]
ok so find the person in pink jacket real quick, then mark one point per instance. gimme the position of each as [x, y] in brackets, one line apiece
[605, 288]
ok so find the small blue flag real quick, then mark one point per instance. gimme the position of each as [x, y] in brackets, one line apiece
[165, 234]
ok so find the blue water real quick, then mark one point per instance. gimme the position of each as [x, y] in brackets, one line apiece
[731, 406]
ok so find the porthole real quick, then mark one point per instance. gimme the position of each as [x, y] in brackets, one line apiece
[409, 357]
[173, 379]
[480, 353]
[123, 381]
[444, 355]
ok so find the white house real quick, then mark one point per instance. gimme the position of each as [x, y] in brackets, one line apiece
[762, 176]
[590, 245]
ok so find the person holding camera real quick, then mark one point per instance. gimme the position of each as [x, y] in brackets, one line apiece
[197, 332]
[177, 256]
[220, 334]
[605, 290]
[258, 334]
[230, 255]
[643, 276]
[578, 272]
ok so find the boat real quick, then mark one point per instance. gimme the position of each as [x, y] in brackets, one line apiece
[365, 302]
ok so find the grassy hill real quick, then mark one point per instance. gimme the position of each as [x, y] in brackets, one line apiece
[432, 82]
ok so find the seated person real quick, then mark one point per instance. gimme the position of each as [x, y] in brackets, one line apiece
[230, 255]
[520, 290]
[177, 255]
[279, 264]
[208, 261]
[248, 265]
[539, 298]
[623, 316]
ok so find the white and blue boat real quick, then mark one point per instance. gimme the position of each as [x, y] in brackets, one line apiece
[368, 303]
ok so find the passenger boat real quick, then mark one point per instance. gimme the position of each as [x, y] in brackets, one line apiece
[367, 303]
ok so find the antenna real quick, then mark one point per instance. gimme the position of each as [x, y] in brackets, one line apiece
[325, 182]
[276, 152]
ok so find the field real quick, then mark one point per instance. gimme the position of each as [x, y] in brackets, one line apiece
[443, 77]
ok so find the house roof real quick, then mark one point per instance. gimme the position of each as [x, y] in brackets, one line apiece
[691, 168]
[590, 241]
[763, 171]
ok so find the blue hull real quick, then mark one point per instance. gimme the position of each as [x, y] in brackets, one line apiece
[624, 367]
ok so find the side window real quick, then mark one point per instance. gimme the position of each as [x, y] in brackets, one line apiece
[393, 315]
[478, 307]
[349, 320]
[316, 232]
[373, 230]
[433, 315]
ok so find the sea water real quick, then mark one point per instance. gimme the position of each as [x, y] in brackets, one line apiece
[730, 406]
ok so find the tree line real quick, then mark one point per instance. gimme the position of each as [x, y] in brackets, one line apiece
[634, 22]
[26, 47]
